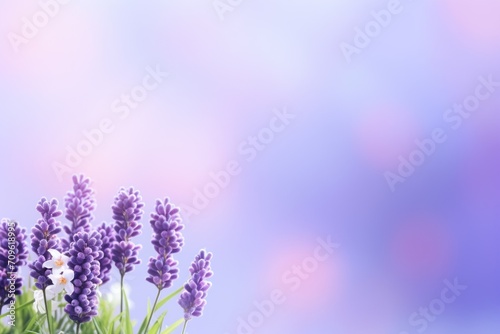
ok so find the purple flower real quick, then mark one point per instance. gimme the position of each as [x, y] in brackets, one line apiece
[108, 239]
[84, 254]
[79, 206]
[11, 259]
[192, 300]
[43, 238]
[167, 240]
[126, 213]
[162, 271]
[5, 287]
[167, 226]
[12, 234]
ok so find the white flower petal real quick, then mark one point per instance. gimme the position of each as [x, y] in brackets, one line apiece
[39, 306]
[49, 264]
[69, 288]
[55, 253]
[57, 288]
[68, 275]
[38, 294]
[49, 292]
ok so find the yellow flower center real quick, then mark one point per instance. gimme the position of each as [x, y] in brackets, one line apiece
[59, 262]
[63, 280]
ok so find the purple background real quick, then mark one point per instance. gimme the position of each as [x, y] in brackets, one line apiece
[323, 175]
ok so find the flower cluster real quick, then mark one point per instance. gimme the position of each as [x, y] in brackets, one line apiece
[192, 300]
[127, 211]
[44, 238]
[77, 266]
[6, 288]
[79, 206]
[13, 255]
[108, 239]
[84, 259]
[60, 277]
[167, 240]
[13, 238]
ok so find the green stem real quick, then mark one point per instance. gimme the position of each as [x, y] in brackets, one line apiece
[153, 310]
[1, 307]
[78, 328]
[121, 293]
[185, 325]
[49, 324]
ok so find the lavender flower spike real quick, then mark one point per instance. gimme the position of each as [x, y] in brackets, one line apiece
[192, 300]
[79, 206]
[167, 240]
[126, 213]
[11, 259]
[12, 234]
[108, 239]
[84, 254]
[43, 238]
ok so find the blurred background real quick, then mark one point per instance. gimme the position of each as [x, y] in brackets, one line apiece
[232, 67]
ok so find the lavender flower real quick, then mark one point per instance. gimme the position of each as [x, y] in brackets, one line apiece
[126, 213]
[5, 288]
[162, 271]
[192, 300]
[84, 254]
[108, 239]
[12, 234]
[43, 238]
[167, 240]
[79, 206]
[11, 259]
[167, 226]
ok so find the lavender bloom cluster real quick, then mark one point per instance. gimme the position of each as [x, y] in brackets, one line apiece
[11, 235]
[5, 288]
[81, 263]
[167, 240]
[106, 263]
[193, 299]
[13, 255]
[44, 237]
[127, 211]
[84, 254]
[79, 206]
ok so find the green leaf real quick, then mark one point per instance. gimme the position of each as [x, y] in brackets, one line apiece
[25, 305]
[157, 307]
[167, 298]
[35, 321]
[111, 327]
[158, 324]
[19, 308]
[97, 327]
[127, 322]
[148, 313]
[171, 328]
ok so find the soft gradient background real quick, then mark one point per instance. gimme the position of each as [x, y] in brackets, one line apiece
[323, 176]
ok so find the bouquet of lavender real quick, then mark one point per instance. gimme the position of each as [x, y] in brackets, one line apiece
[71, 263]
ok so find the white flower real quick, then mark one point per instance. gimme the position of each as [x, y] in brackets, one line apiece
[63, 281]
[58, 263]
[39, 304]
